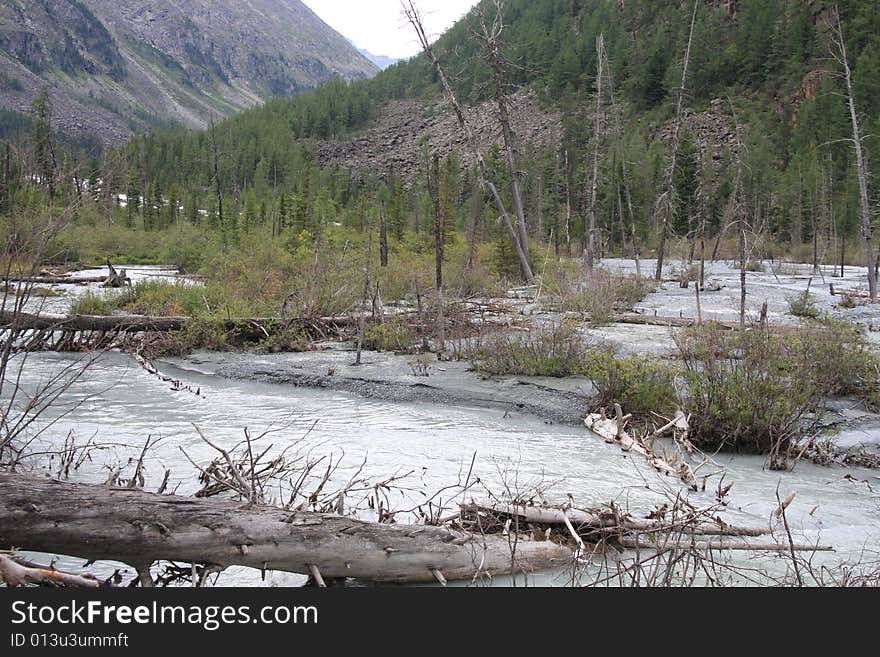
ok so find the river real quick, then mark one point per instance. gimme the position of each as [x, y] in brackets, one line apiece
[118, 402]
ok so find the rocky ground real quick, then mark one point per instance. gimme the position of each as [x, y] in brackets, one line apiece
[392, 140]
[404, 378]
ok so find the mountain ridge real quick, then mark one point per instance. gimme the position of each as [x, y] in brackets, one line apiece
[118, 67]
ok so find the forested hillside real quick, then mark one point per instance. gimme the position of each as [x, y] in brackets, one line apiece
[760, 73]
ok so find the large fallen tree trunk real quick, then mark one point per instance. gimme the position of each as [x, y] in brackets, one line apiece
[138, 528]
[57, 280]
[144, 324]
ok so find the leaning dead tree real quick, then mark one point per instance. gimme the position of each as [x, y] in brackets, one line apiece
[490, 39]
[666, 199]
[415, 20]
[839, 54]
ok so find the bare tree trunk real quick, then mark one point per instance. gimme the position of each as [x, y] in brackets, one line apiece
[137, 528]
[434, 191]
[567, 207]
[742, 274]
[864, 202]
[490, 38]
[739, 218]
[216, 175]
[5, 190]
[383, 235]
[666, 199]
[415, 20]
[361, 316]
[589, 261]
[618, 131]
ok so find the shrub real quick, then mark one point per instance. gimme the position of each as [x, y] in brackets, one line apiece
[803, 305]
[197, 334]
[393, 335]
[839, 360]
[285, 340]
[749, 391]
[558, 351]
[640, 385]
[601, 295]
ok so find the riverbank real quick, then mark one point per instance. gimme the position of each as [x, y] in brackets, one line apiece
[845, 425]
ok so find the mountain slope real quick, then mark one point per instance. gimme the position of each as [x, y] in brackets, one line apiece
[116, 67]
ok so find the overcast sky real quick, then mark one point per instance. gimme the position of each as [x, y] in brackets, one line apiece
[380, 26]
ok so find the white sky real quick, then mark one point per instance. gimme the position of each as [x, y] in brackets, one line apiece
[380, 26]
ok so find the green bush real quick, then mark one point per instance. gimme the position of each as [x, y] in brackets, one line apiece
[803, 305]
[749, 391]
[640, 385]
[392, 335]
[558, 351]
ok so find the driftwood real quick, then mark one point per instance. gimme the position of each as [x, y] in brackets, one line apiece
[57, 280]
[138, 528]
[586, 520]
[634, 533]
[145, 324]
[15, 573]
[116, 279]
[614, 430]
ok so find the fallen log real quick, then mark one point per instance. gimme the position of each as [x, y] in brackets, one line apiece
[591, 521]
[718, 545]
[138, 528]
[13, 573]
[632, 533]
[146, 324]
[57, 280]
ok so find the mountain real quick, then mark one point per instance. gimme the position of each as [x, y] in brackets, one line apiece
[382, 61]
[118, 67]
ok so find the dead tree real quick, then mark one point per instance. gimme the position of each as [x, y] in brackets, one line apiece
[490, 39]
[434, 192]
[415, 20]
[597, 141]
[215, 174]
[739, 216]
[665, 201]
[867, 229]
[567, 206]
[383, 235]
[618, 133]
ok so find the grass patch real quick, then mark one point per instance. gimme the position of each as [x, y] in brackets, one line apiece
[91, 303]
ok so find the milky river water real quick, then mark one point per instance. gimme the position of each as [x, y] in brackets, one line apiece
[118, 403]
